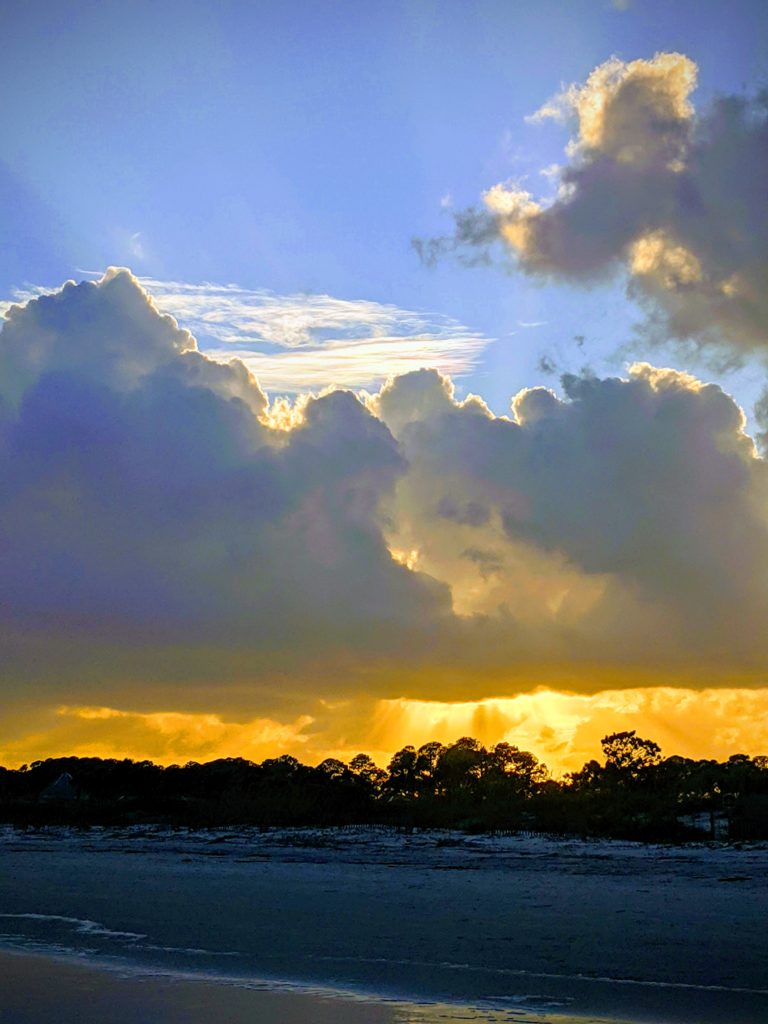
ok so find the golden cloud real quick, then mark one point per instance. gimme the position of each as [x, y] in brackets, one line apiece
[162, 736]
[562, 728]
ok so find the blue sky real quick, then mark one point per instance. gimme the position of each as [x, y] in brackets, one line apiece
[299, 148]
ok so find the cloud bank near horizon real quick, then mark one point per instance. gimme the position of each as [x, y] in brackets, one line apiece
[165, 525]
[563, 729]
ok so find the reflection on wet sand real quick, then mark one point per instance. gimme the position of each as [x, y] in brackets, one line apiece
[39, 989]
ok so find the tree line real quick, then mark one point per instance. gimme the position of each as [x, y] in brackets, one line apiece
[633, 792]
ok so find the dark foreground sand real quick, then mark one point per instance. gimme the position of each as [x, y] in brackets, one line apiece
[44, 990]
[36, 989]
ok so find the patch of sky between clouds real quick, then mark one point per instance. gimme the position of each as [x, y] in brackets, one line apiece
[306, 342]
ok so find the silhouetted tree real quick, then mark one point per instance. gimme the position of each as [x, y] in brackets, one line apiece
[633, 793]
[628, 755]
[402, 780]
[368, 771]
[460, 767]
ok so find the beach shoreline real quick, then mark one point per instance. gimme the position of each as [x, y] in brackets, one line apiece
[38, 988]
[530, 930]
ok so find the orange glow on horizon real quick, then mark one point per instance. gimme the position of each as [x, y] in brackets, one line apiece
[563, 729]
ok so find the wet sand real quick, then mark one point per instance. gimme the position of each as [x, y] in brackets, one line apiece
[37, 989]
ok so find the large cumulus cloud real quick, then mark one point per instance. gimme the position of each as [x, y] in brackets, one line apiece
[626, 519]
[169, 539]
[147, 506]
[675, 198]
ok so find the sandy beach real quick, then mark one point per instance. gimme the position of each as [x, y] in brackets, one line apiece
[520, 929]
[35, 989]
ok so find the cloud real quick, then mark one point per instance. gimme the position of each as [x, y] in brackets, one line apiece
[673, 198]
[164, 737]
[363, 362]
[563, 729]
[136, 246]
[173, 543]
[302, 342]
[151, 507]
[626, 507]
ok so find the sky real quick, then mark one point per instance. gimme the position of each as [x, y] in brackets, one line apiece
[457, 426]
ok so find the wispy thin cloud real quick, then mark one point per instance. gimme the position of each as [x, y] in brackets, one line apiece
[136, 246]
[358, 362]
[303, 342]
[22, 294]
